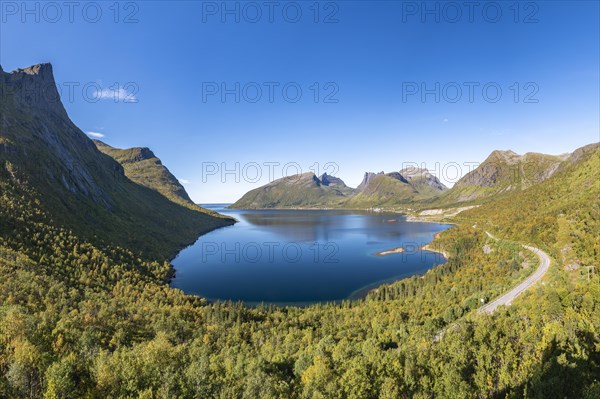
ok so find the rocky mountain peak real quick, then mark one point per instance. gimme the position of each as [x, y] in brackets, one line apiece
[329, 180]
[421, 176]
[44, 70]
[316, 180]
[397, 176]
[33, 88]
[141, 154]
[413, 171]
[508, 156]
[366, 179]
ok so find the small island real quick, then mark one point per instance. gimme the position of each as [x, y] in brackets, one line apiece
[398, 250]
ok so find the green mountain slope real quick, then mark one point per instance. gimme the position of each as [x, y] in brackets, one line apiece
[502, 172]
[562, 212]
[376, 190]
[395, 189]
[298, 191]
[382, 190]
[82, 188]
[144, 168]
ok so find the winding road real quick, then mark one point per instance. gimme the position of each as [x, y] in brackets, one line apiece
[507, 298]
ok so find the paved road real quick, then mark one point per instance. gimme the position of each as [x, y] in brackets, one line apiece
[508, 297]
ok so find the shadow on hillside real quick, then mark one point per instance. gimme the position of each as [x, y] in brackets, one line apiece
[562, 375]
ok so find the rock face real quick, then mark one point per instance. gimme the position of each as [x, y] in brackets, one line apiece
[36, 125]
[581, 152]
[42, 151]
[422, 179]
[336, 183]
[398, 176]
[34, 88]
[366, 180]
[329, 180]
[504, 171]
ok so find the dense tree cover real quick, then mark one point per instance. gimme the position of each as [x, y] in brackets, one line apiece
[563, 213]
[478, 269]
[81, 319]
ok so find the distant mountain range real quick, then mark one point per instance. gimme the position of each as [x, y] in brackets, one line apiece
[377, 189]
[97, 191]
[395, 188]
[501, 173]
[104, 192]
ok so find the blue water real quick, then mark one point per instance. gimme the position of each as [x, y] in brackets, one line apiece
[302, 256]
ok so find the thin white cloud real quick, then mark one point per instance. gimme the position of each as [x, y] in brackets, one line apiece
[445, 119]
[118, 95]
[95, 135]
[184, 181]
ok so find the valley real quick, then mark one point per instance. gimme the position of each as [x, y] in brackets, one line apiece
[86, 310]
[160, 239]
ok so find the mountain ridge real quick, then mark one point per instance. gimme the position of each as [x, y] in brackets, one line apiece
[376, 189]
[142, 166]
[302, 190]
[502, 172]
[42, 148]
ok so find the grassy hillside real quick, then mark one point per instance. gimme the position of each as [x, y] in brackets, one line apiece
[502, 172]
[376, 190]
[298, 191]
[144, 168]
[563, 213]
[84, 190]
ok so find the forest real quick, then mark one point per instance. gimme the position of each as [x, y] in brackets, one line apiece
[82, 318]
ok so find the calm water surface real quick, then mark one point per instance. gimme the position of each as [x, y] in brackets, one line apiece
[301, 257]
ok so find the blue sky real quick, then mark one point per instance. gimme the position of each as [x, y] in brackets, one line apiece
[361, 68]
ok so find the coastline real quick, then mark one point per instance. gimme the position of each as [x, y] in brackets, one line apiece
[358, 294]
[430, 248]
[408, 216]
[397, 250]
[228, 222]
[362, 292]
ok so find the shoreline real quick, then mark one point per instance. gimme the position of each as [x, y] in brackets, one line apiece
[172, 273]
[397, 250]
[408, 216]
[430, 248]
[401, 212]
[356, 295]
